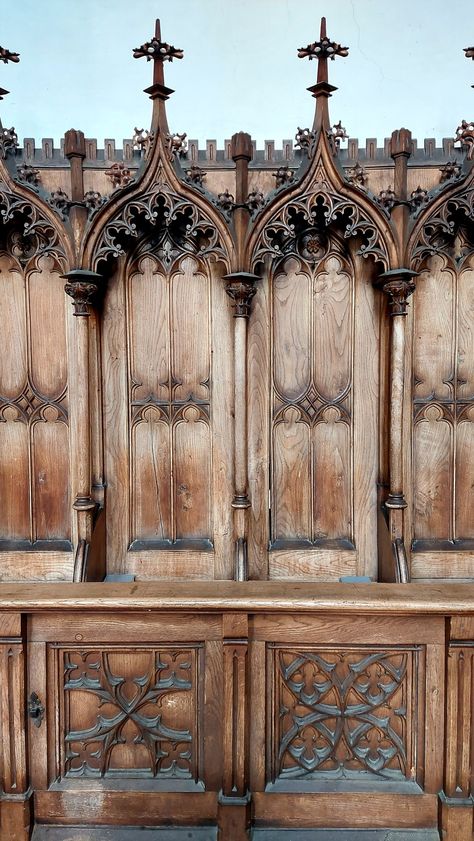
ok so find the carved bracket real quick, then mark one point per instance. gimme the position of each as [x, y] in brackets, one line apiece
[82, 286]
[240, 287]
[398, 284]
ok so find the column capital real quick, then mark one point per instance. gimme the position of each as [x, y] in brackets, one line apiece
[240, 286]
[82, 286]
[398, 284]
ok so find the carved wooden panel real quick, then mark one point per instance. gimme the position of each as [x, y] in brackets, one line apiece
[34, 435]
[130, 712]
[167, 415]
[443, 403]
[344, 714]
[170, 402]
[312, 401]
[313, 417]
[459, 779]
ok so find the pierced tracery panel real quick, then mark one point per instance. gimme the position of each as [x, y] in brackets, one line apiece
[34, 437]
[342, 713]
[169, 402]
[130, 713]
[312, 353]
[443, 403]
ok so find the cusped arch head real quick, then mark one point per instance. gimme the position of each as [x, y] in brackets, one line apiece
[300, 216]
[445, 226]
[159, 202]
[29, 227]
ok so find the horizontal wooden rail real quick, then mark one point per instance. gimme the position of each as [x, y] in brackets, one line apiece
[251, 597]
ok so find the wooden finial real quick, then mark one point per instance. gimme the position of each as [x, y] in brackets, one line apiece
[322, 50]
[158, 51]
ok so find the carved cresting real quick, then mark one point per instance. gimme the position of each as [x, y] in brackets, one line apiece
[139, 718]
[343, 713]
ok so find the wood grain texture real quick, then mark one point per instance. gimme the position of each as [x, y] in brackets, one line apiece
[355, 810]
[258, 344]
[311, 564]
[14, 368]
[36, 566]
[128, 808]
[249, 597]
[459, 767]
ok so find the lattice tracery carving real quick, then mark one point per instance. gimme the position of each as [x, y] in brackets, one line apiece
[178, 225]
[312, 213]
[130, 725]
[448, 230]
[342, 713]
[37, 235]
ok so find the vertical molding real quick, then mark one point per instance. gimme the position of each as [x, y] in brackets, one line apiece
[240, 286]
[234, 798]
[15, 797]
[457, 798]
[398, 285]
[82, 286]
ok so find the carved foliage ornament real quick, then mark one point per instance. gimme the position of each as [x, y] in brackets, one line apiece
[300, 227]
[342, 713]
[178, 225]
[131, 709]
[465, 136]
[8, 142]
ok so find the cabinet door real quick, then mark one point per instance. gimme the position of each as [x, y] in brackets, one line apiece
[132, 719]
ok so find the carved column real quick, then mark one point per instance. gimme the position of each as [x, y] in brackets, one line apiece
[234, 799]
[457, 799]
[398, 285]
[240, 287]
[15, 797]
[401, 146]
[82, 286]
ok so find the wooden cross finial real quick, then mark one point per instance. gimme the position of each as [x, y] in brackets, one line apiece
[160, 52]
[322, 50]
[6, 56]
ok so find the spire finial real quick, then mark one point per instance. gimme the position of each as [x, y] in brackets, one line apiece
[158, 51]
[469, 52]
[6, 56]
[322, 50]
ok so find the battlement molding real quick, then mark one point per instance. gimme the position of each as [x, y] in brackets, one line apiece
[49, 154]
